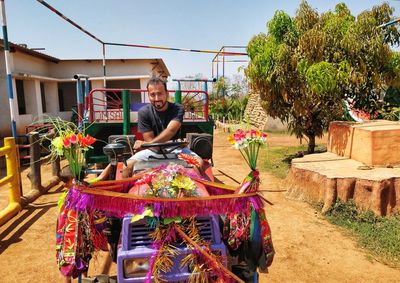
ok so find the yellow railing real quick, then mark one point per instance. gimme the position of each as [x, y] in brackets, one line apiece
[12, 179]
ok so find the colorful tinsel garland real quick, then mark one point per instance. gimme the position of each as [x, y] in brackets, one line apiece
[120, 204]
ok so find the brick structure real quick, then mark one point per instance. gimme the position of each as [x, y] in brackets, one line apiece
[257, 116]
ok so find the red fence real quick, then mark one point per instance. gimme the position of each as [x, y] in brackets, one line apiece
[105, 105]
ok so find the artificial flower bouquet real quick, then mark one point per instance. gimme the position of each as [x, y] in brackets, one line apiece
[248, 143]
[72, 143]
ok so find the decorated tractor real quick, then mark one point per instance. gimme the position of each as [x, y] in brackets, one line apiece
[168, 222]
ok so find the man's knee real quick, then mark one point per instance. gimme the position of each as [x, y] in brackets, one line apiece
[128, 169]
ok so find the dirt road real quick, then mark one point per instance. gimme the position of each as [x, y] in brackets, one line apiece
[308, 248]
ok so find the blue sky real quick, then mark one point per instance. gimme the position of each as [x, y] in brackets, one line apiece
[203, 24]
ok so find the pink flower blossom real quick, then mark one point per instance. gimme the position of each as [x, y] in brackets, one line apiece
[73, 139]
[67, 142]
[146, 179]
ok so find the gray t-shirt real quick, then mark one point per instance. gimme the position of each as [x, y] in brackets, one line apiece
[149, 119]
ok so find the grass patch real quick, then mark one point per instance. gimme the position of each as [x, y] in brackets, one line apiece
[277, 159]
[379, 235]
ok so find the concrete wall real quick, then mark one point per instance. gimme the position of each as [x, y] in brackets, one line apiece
[51, 93]
[27, 64]
[94, 68]
[143, 84]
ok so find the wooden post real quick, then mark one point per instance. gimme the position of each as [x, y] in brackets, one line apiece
[34, 151]
[55, 167]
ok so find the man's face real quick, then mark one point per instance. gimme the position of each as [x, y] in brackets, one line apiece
[158, 96]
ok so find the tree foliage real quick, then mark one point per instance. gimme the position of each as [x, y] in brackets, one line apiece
[230, 109]
[232, 106]
[304, 66]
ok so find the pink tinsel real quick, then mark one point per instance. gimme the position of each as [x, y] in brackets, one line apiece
[120, 206]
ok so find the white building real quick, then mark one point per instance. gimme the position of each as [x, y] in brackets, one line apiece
[45, 85]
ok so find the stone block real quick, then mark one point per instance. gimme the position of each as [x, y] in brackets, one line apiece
[372, 143]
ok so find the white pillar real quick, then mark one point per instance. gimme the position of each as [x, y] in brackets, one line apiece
[38, 96]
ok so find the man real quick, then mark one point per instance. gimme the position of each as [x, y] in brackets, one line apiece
[159, 122]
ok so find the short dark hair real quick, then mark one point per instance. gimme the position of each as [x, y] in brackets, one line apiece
[157, 80]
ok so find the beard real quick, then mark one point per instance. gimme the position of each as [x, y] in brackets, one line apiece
[159, 104]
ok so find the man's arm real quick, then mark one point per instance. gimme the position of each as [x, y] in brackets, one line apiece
[166, 135]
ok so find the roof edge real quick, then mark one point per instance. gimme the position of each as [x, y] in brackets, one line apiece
[16, 47]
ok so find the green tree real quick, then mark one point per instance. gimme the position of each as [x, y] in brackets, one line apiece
[238, 87]
[304, 66]
[233, 104]
[221, 86]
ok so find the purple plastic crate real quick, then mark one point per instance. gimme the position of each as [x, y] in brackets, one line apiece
[136, 244]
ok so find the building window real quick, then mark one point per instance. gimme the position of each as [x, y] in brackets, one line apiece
[43, 95]
[20, 97]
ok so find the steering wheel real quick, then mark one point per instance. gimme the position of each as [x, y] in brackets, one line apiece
[165, 147]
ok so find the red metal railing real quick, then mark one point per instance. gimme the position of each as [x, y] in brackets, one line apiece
[105, 105]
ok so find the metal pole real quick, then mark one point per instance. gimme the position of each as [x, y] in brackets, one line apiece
[389, 23]
[223, 72]
[206, 102]
[86, 102]
[217, 66]
[79, 100]
[8, 70]
[205, 98]
[223, 63]
[213, 80]
[178, 93]
[104, 66]
[212, 69]
[126, 108]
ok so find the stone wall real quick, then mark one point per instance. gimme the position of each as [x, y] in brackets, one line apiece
[257, 116]
[327, 177]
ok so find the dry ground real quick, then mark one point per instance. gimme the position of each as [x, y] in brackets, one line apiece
[308, 248]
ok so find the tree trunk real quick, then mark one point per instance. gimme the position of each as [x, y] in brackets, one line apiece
[311, 143]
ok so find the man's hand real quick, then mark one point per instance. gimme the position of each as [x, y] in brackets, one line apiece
[138, 144]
